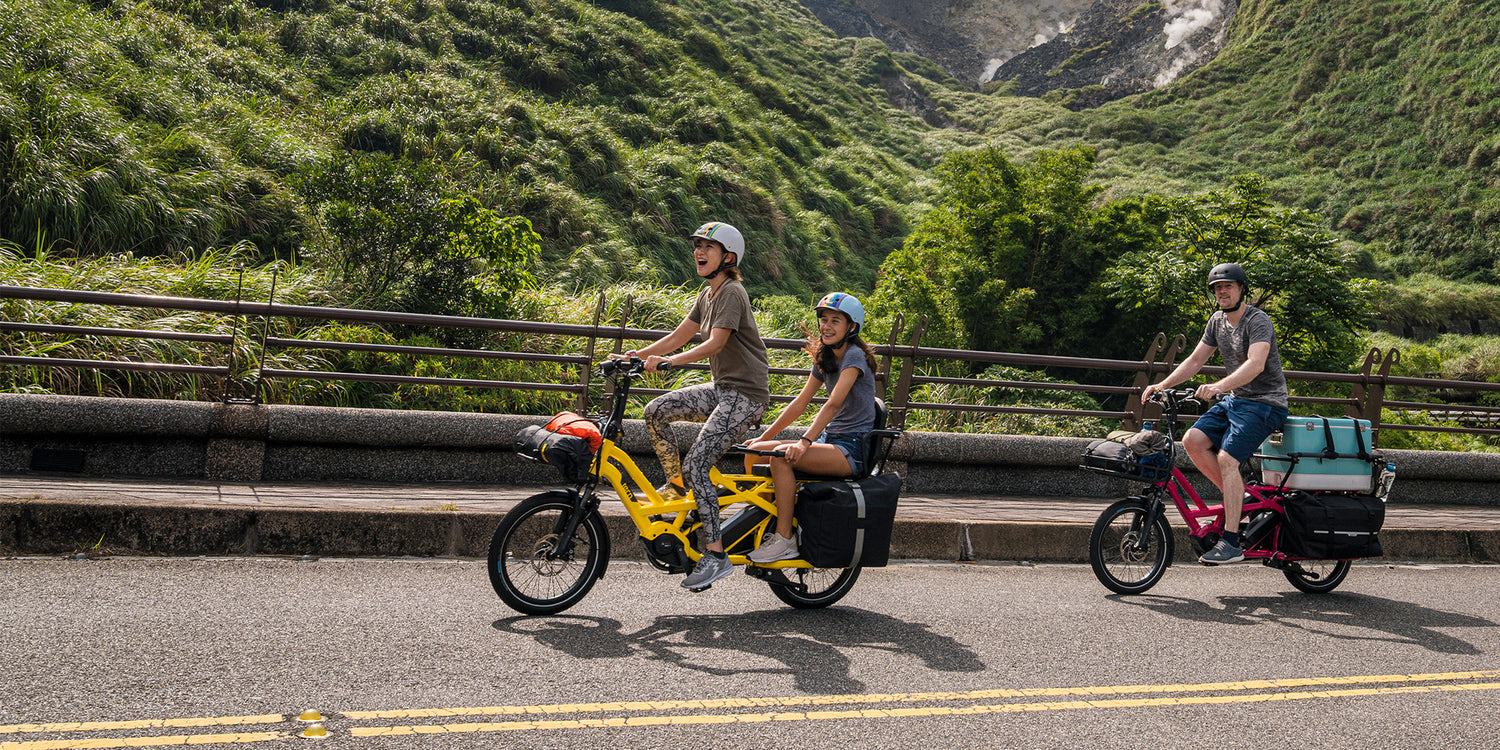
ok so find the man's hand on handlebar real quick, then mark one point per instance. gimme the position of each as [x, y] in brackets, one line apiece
[1208, 392]
[1159, 394]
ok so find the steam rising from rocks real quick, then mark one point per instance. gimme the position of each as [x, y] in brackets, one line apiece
[1188, 17]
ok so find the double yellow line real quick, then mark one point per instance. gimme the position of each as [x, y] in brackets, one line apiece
[716, 711]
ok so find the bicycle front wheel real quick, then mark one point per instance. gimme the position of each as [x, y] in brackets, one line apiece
[824, 586]
[531, 569]
[1317, 576]
[1126, 555]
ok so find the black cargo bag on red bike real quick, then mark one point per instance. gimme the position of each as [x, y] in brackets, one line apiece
[848, 523]
[567, 443]
[1119, 460]
[1332, 527]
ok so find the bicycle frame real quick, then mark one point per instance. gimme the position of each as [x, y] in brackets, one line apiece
[1203, 519]
[654, 516]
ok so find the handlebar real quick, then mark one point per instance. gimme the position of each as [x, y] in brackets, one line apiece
[1176, 397]
[753, 452]
[631, 367]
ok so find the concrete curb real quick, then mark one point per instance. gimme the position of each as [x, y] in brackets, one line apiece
[43, 527]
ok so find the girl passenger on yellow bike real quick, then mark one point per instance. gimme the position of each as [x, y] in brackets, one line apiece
[732, 403]
[834, 445]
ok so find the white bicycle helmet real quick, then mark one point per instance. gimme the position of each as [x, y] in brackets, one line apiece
[725, 235]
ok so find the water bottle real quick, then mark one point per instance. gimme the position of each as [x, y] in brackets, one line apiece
[1383, 484]
[1148, 426]
[1256, 530]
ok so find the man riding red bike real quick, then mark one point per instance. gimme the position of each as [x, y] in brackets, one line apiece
[1225, 437]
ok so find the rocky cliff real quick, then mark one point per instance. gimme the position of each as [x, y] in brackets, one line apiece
[1105, 49]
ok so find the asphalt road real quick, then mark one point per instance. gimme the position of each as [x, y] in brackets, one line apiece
[421, 654]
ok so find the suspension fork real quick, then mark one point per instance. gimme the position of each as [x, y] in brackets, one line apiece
[1155, 509]
[584, 502]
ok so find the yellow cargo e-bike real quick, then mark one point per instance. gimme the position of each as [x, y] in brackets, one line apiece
[549, 550]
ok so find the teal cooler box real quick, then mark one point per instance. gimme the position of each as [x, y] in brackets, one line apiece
[1308, 439]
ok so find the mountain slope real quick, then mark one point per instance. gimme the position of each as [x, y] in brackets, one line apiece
[1381, 115]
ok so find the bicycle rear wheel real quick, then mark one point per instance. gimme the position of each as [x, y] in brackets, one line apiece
[530, 571]
[1126, 555]
[824, 586]
[1322, 576]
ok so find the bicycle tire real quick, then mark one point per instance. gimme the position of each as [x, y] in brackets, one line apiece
[1326, 578]
[520, 571]
[838, 583]
[1116, 563]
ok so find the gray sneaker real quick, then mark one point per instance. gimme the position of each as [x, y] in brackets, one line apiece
[1223, 553]
[710, 568]
[774, 548]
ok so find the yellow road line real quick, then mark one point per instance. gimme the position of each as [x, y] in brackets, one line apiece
[814, 700]
[176, 739]
[96, 726]
[640, 721]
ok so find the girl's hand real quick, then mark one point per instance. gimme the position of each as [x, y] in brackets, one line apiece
[795, 450]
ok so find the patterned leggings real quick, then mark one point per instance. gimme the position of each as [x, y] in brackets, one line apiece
[725, 413]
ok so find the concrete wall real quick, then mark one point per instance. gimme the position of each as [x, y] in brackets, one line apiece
[238, 443]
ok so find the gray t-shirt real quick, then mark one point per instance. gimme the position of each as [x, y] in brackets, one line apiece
[742, 363]
[1233, 343]
[858, 412]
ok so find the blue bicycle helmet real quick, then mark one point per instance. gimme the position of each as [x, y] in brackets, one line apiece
[847, 304]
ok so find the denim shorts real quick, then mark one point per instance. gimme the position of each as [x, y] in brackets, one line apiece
[853, 446]
[1238, 426]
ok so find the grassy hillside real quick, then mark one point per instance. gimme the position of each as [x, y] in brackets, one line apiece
[615, 127]
[1381, 115]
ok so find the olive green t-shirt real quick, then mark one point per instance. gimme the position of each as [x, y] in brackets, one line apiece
[742, 363]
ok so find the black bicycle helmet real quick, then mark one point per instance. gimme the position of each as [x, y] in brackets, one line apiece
[1228, 272]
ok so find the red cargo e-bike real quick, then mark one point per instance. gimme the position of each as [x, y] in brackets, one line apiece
[1131, 545]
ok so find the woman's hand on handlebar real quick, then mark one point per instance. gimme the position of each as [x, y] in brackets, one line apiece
[658, 364]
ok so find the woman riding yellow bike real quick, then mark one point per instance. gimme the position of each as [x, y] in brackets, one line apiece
[734, 402]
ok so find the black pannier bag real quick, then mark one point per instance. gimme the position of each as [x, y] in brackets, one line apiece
[1332, 527]
[845, 523]
[1118, 460]
[569, 454]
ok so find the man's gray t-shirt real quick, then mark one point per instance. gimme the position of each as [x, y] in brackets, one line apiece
[858, 412]
[1233, 343]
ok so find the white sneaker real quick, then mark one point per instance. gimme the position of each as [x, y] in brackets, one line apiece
[774, 548]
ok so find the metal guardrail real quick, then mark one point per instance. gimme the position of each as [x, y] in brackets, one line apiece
[1365, 399]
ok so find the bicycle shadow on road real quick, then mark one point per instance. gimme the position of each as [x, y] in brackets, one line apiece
[811, 646]
[1396, 621]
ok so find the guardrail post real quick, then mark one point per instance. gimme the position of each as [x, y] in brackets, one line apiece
[587, 368]
[885, 365]
[1143, 378]
[1357, 393]
[1375, 395]
[625, 310]
[903, 385]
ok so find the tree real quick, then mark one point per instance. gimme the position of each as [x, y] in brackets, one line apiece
[1297, 271]
[1006, 260]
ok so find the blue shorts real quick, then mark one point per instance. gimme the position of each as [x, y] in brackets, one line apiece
[1238, 426]
[852, 444]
